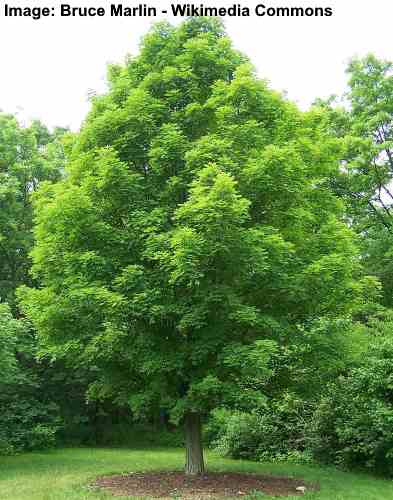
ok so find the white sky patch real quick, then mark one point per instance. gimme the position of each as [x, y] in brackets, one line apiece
[49, 66]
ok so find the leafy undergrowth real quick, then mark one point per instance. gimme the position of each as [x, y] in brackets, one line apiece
[66, 473]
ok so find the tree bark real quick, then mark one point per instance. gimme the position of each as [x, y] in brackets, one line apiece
[194, 450]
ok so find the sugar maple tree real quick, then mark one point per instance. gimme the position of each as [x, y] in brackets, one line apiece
[195, 223]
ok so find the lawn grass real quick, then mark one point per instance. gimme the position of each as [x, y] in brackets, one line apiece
[65, 473]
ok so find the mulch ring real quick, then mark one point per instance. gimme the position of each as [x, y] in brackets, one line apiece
[212, 485]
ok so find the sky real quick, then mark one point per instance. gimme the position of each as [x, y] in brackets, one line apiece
[49, 66]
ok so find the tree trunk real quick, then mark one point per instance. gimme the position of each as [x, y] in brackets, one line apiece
[194, 450]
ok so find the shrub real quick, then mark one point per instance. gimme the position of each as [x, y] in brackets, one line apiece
[26, 423]
[28, 420]
[353, 424]
[274, 432]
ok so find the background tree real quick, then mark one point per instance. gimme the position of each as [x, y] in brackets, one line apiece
[29, 397]
[366, 125]
[365, 178]
[26, 158]
[195, 225]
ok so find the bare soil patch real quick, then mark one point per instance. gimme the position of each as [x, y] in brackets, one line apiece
[209, 486]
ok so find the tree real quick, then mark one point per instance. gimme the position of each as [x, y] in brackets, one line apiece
[371, 98]
[26, 159]
[365, 179]
[194, 225]
[366, 124]
[30, 416]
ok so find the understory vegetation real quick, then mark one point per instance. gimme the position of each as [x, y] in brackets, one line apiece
[201, 255]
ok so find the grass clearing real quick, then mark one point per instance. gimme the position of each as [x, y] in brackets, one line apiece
[64, 474]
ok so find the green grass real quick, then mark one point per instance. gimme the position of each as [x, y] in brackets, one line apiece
[65, 473]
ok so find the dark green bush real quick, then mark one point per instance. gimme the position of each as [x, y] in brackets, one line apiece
[353, 424]
[28, 419]
[26, 423]
[273, 432]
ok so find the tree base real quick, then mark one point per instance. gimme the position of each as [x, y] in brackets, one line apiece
[195, 464]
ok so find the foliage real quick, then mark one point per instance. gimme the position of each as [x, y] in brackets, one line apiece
[28, 420]
[377, 251]
[275, 431]
[195, 224]
[207, 246]
[315, 353]
[309, 360]
[365, 124]
[27, 157]
[8, 337]
[364, 182]
[30, 395]
[352, 425]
